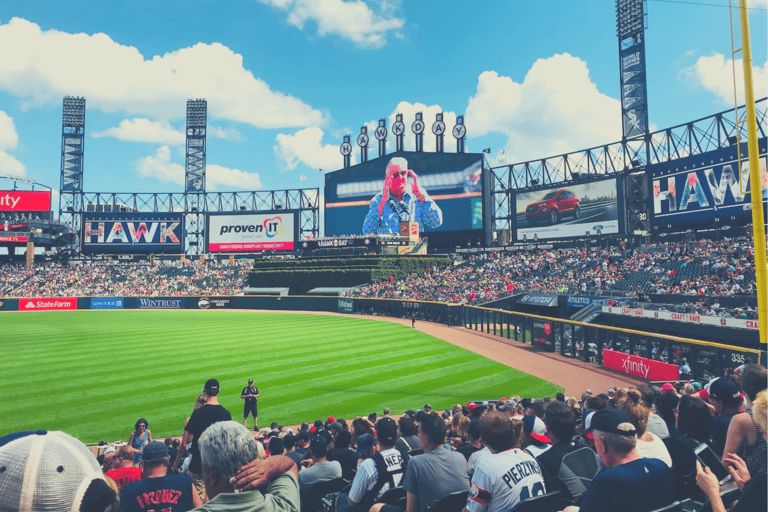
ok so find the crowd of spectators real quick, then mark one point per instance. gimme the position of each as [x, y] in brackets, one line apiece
[100, 279]
[629, 449]
[702, 268]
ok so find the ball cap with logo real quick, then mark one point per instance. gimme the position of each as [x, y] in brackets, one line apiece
[720, 389]
[211, 386]
[613, 421]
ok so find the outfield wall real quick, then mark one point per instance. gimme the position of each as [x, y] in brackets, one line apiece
[637, 350]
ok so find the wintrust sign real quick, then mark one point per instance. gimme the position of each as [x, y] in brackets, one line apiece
[640, 366]
[52, 304]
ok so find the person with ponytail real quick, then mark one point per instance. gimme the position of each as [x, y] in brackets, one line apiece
[649, 445]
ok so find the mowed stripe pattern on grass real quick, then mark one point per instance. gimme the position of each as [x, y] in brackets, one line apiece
[94, 373]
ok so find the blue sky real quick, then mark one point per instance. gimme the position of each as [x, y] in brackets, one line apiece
[286, 79]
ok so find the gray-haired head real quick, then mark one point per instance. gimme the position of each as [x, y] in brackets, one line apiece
[227, 445]
[616, 442]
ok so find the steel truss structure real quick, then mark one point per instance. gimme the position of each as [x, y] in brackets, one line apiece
[689, 139]
[195, 207]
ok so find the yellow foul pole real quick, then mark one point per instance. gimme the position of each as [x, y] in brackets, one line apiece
[758, 227]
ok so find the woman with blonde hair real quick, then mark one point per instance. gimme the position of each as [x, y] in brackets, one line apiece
[649, 445]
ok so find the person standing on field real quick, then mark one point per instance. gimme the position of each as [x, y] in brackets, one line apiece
[250, 394]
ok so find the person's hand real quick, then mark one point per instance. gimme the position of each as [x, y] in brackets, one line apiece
[385, 194]
[307, 463]
[415, 186]
[707, 481]
[738, 469]
[251, 477]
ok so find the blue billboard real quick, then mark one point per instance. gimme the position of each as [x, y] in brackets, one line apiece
[132, 232]
[441, 191]
[107, 303]
[160, 303]
[705, 188]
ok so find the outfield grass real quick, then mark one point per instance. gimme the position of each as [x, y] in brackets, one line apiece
[94, 373]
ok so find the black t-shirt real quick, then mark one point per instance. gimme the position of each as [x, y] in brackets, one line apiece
[200, 420]
[467, 450]
[250, 390]
[348, 460]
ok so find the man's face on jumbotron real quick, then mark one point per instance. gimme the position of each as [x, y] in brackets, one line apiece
[399, 177]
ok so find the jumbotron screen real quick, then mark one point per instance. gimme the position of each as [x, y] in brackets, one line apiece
[441, 191]
[246, 232]
[132, 233]
[705, 188]
[568, 211]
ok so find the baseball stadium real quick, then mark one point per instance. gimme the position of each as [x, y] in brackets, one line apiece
[428, 293]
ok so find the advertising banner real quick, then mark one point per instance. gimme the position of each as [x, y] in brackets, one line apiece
[684, 317]
[705, 189]
[50, 304]
[538, 299]
[160, 303]
[639, 366]
[132, 232]
[543, 336]
[9, 304]
[17, 239]
[346, 306]
[334, 243]
[580, 301]
[252, 232]
[22, 201]
[634, 103]
[567, 211]
[107, 303]
[214, 302]
[448, 197]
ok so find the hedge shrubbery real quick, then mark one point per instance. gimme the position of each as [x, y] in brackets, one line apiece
[302, 275]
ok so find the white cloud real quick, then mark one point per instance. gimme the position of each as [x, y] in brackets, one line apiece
[161, 167]
[140, 129]
[352, 20]
[113, 77]
[555, 110]
[9, 139]
[715, 74]
[225, 133]
[306, 147]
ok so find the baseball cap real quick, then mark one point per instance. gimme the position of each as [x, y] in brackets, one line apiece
[303, 436]
[212, 385]
[250, 381]
[155, 451]
[613, 421]
[364, 443]
[386, 430]
[667, 387]
[48, 470]
[586, 423]
[318, 443]
[509, 406]
[533, 426]
[326, 435]
[721, 389]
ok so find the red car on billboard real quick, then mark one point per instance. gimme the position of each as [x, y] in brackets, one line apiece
[553, 207]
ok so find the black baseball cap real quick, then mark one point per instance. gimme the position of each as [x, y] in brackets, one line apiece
[386, 430]
[613, 421]
[211, 387]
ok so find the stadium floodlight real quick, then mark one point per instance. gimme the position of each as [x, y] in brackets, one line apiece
[630, 17]
[534, 182]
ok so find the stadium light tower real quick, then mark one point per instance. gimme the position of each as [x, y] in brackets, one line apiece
[72, 152]
[630, 28]
[197, 120]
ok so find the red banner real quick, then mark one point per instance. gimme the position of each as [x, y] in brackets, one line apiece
[640, 366]
[13, 239]
[47, 304]
[21, 201]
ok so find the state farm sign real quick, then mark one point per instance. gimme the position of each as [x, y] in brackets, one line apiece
[50, 304]
[20, 201]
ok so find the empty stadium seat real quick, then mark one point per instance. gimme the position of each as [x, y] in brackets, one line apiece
[454, 502]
